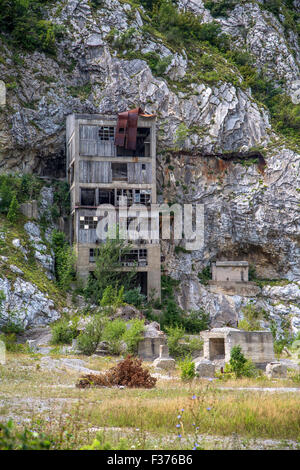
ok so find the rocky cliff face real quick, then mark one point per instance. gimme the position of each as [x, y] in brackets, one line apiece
[216, 145]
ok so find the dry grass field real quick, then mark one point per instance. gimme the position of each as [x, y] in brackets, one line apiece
[236, 414]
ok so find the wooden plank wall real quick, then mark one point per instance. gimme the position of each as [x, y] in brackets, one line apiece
[91, 145]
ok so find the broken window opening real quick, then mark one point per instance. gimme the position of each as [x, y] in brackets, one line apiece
[122, 194]
[119, 171]
[142, 145]
[94, 252]
[106, 133]
[88, 222]
[87, 197]
[107, 196]
[136, 257]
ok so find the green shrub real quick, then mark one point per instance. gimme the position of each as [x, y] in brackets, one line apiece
[196, 321]
[63, 332]
[187, 368]
[11, 345]
[134, 297]
[220, 7]
[89, 339]
[24, 21]
[11, 439]
[100, 443]
[205, 275]
[133, 335]
[112, 296]
[239, 365]
[65, 260]
[113, 333]
[106, 272]
[181, 345]
[252, 318]
[22, 187]
[13, 211]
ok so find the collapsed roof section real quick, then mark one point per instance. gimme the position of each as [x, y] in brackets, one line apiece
[126, 130]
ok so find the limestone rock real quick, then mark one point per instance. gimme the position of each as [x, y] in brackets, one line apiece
[31, 307]
[204, 368]
[276, 370]
[2, 93]
[166, 363]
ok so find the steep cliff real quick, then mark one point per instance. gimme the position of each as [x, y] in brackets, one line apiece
[226, 102]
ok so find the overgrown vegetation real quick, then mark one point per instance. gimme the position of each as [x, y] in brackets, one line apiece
[16, 189]
[173, 315]
[187, 368]
[65, 260]
[180, 345]
[25, 23]
[238, 366]
[12, 439]
[252, 318]
[89, 339]
[107, 270]
[64, 331]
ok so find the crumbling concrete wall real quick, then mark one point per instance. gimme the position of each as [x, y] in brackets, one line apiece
[255, 345]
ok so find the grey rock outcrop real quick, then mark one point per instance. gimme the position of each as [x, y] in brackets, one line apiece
[205, 368]
[25, 304]
[276, 370]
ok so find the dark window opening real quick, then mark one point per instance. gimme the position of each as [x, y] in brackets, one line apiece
[124, 193]
[141, 280]
[216, 348]
[107, 196]
[88, 197]
[119, 171]
[136, 257]
[94, 252]
[142, 144]
[106, 133]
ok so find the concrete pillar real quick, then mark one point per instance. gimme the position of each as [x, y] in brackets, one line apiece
[164, 351]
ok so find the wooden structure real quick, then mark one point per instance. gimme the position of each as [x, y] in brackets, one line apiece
[102, 173]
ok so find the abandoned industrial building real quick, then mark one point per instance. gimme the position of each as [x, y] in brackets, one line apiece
[112, 160]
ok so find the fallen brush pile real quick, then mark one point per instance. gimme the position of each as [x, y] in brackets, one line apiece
[128, 373]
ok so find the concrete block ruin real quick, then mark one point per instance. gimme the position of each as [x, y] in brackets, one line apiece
[235, 271]
[255, 345]
[149, 347]
[164, 361]
[232, 278]
[29, 209]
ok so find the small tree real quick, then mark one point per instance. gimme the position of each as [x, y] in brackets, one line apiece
[237, 361]
[65, 260]
[107, 269]
[88, 340]
[13, 210]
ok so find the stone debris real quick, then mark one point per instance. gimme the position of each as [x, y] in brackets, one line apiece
[149, 347]
[276, 370]
[205, 368]
[164, 361]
